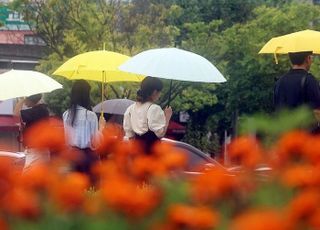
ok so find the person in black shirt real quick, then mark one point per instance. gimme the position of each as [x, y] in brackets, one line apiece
[35, 112]
[298, 86]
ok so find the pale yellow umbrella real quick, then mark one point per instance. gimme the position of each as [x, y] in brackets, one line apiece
[306, 40]
[23, 83]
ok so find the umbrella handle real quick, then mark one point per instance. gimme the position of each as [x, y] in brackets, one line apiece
[102, 122]
[102, 87]
[275, 58]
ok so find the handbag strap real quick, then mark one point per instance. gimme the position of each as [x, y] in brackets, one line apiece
[303, 87]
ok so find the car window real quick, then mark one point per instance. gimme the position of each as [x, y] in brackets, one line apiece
[194, 159]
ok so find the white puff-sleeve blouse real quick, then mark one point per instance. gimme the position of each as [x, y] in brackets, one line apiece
[141, 117]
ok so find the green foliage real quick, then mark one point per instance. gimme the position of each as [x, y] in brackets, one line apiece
[228, 33]
[75, 26]
[251, 76]
[272, 195]
[270, 127]
[195, 97]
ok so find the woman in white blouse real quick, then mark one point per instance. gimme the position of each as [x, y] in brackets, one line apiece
[144, 120]
[81, 126]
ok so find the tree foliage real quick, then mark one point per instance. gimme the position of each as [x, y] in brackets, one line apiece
[228, 33]
[70, 27]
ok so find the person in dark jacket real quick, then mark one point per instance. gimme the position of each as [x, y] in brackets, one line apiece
[298, 86]
[35, 112]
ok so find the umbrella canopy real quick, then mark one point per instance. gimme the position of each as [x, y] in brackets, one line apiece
[113, 106]
[174, 64]
[23, 83]
[97, 66]
[306, 40]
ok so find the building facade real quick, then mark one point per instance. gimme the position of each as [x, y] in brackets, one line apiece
[20, 47]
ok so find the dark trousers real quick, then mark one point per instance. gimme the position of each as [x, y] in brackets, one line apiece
[87, 158]
[147, 140]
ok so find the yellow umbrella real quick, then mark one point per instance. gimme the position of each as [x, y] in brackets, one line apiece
[97, 66]
[306, 40]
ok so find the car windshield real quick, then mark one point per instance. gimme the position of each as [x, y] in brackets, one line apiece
[195, 156]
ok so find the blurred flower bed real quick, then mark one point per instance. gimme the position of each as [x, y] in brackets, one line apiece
[136, 191]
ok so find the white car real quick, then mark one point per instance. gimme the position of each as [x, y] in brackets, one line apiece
[196, 157]
[16, 159]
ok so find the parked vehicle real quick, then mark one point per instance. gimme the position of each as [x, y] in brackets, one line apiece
[196, 157]
[16, 159]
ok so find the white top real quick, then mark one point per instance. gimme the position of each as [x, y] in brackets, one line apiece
[139, 118]
[84, 129]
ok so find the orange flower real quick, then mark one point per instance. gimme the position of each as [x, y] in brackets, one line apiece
[311, 149]
[213, 185]
[245, 151]
[7, 175]
[46, 135]
[170, 157]
[3, 225]
[111, 136]
[37, 177]
[127, 197]
[144, 167]
[69, 191]
[260, 220]
[21, 202]
[188, 217]
[106, 169]
[129, 148]
[304, 205]
[301, 176]
[314, 221]
[290, 147]
[124, 152]
[163, 160]
[92, 204]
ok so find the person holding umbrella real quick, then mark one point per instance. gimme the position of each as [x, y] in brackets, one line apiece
[298, 86]
[81, 127]
[144, 120]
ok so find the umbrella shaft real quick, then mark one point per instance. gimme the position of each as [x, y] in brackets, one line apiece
[169, 97]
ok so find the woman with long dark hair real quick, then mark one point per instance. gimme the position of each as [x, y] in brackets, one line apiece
[144, 120]
[81, 126]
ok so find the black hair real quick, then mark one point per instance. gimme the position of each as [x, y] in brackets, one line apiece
[147, 87]
[298, 58]
[80, 95]
[34, 98]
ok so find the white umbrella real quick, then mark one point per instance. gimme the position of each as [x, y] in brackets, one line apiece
[173, 64]
[113, 106]
[23, 83]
